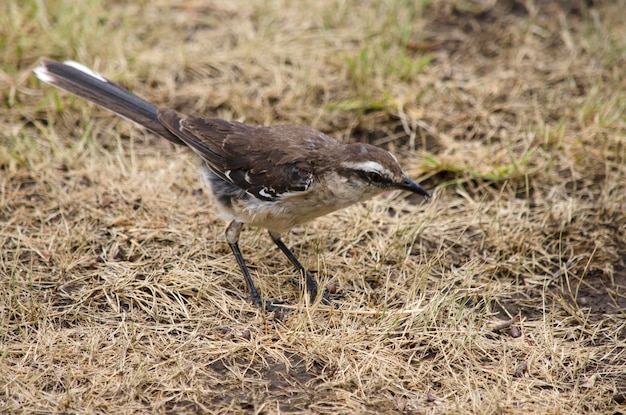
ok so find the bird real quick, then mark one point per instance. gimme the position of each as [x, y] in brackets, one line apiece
[271, 177]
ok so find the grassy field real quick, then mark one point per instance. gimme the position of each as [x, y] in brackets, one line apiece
[504, 293]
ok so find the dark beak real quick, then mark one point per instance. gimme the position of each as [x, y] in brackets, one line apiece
[412, 186]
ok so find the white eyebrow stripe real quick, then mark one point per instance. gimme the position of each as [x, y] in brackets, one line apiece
[366, 166]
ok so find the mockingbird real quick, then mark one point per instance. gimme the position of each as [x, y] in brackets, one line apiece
[271, 177]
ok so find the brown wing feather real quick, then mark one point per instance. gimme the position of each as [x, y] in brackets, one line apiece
[267, 162]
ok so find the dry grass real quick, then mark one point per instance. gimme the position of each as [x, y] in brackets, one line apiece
[118, 295]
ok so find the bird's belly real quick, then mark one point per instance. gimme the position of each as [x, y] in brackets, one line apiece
[281, 215]
[290, 210]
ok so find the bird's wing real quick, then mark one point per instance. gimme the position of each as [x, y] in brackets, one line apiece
[266, 162]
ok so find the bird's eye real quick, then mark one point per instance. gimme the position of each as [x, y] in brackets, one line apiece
[374, 177]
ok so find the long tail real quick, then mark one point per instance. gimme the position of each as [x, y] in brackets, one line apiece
[85, 83]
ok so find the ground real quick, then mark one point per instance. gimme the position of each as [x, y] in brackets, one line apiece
[503, 293]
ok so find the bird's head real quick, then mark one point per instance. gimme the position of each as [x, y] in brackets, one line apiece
[375, 170]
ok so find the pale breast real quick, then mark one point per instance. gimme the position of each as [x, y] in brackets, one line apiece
[331, 193]
[334, 193]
